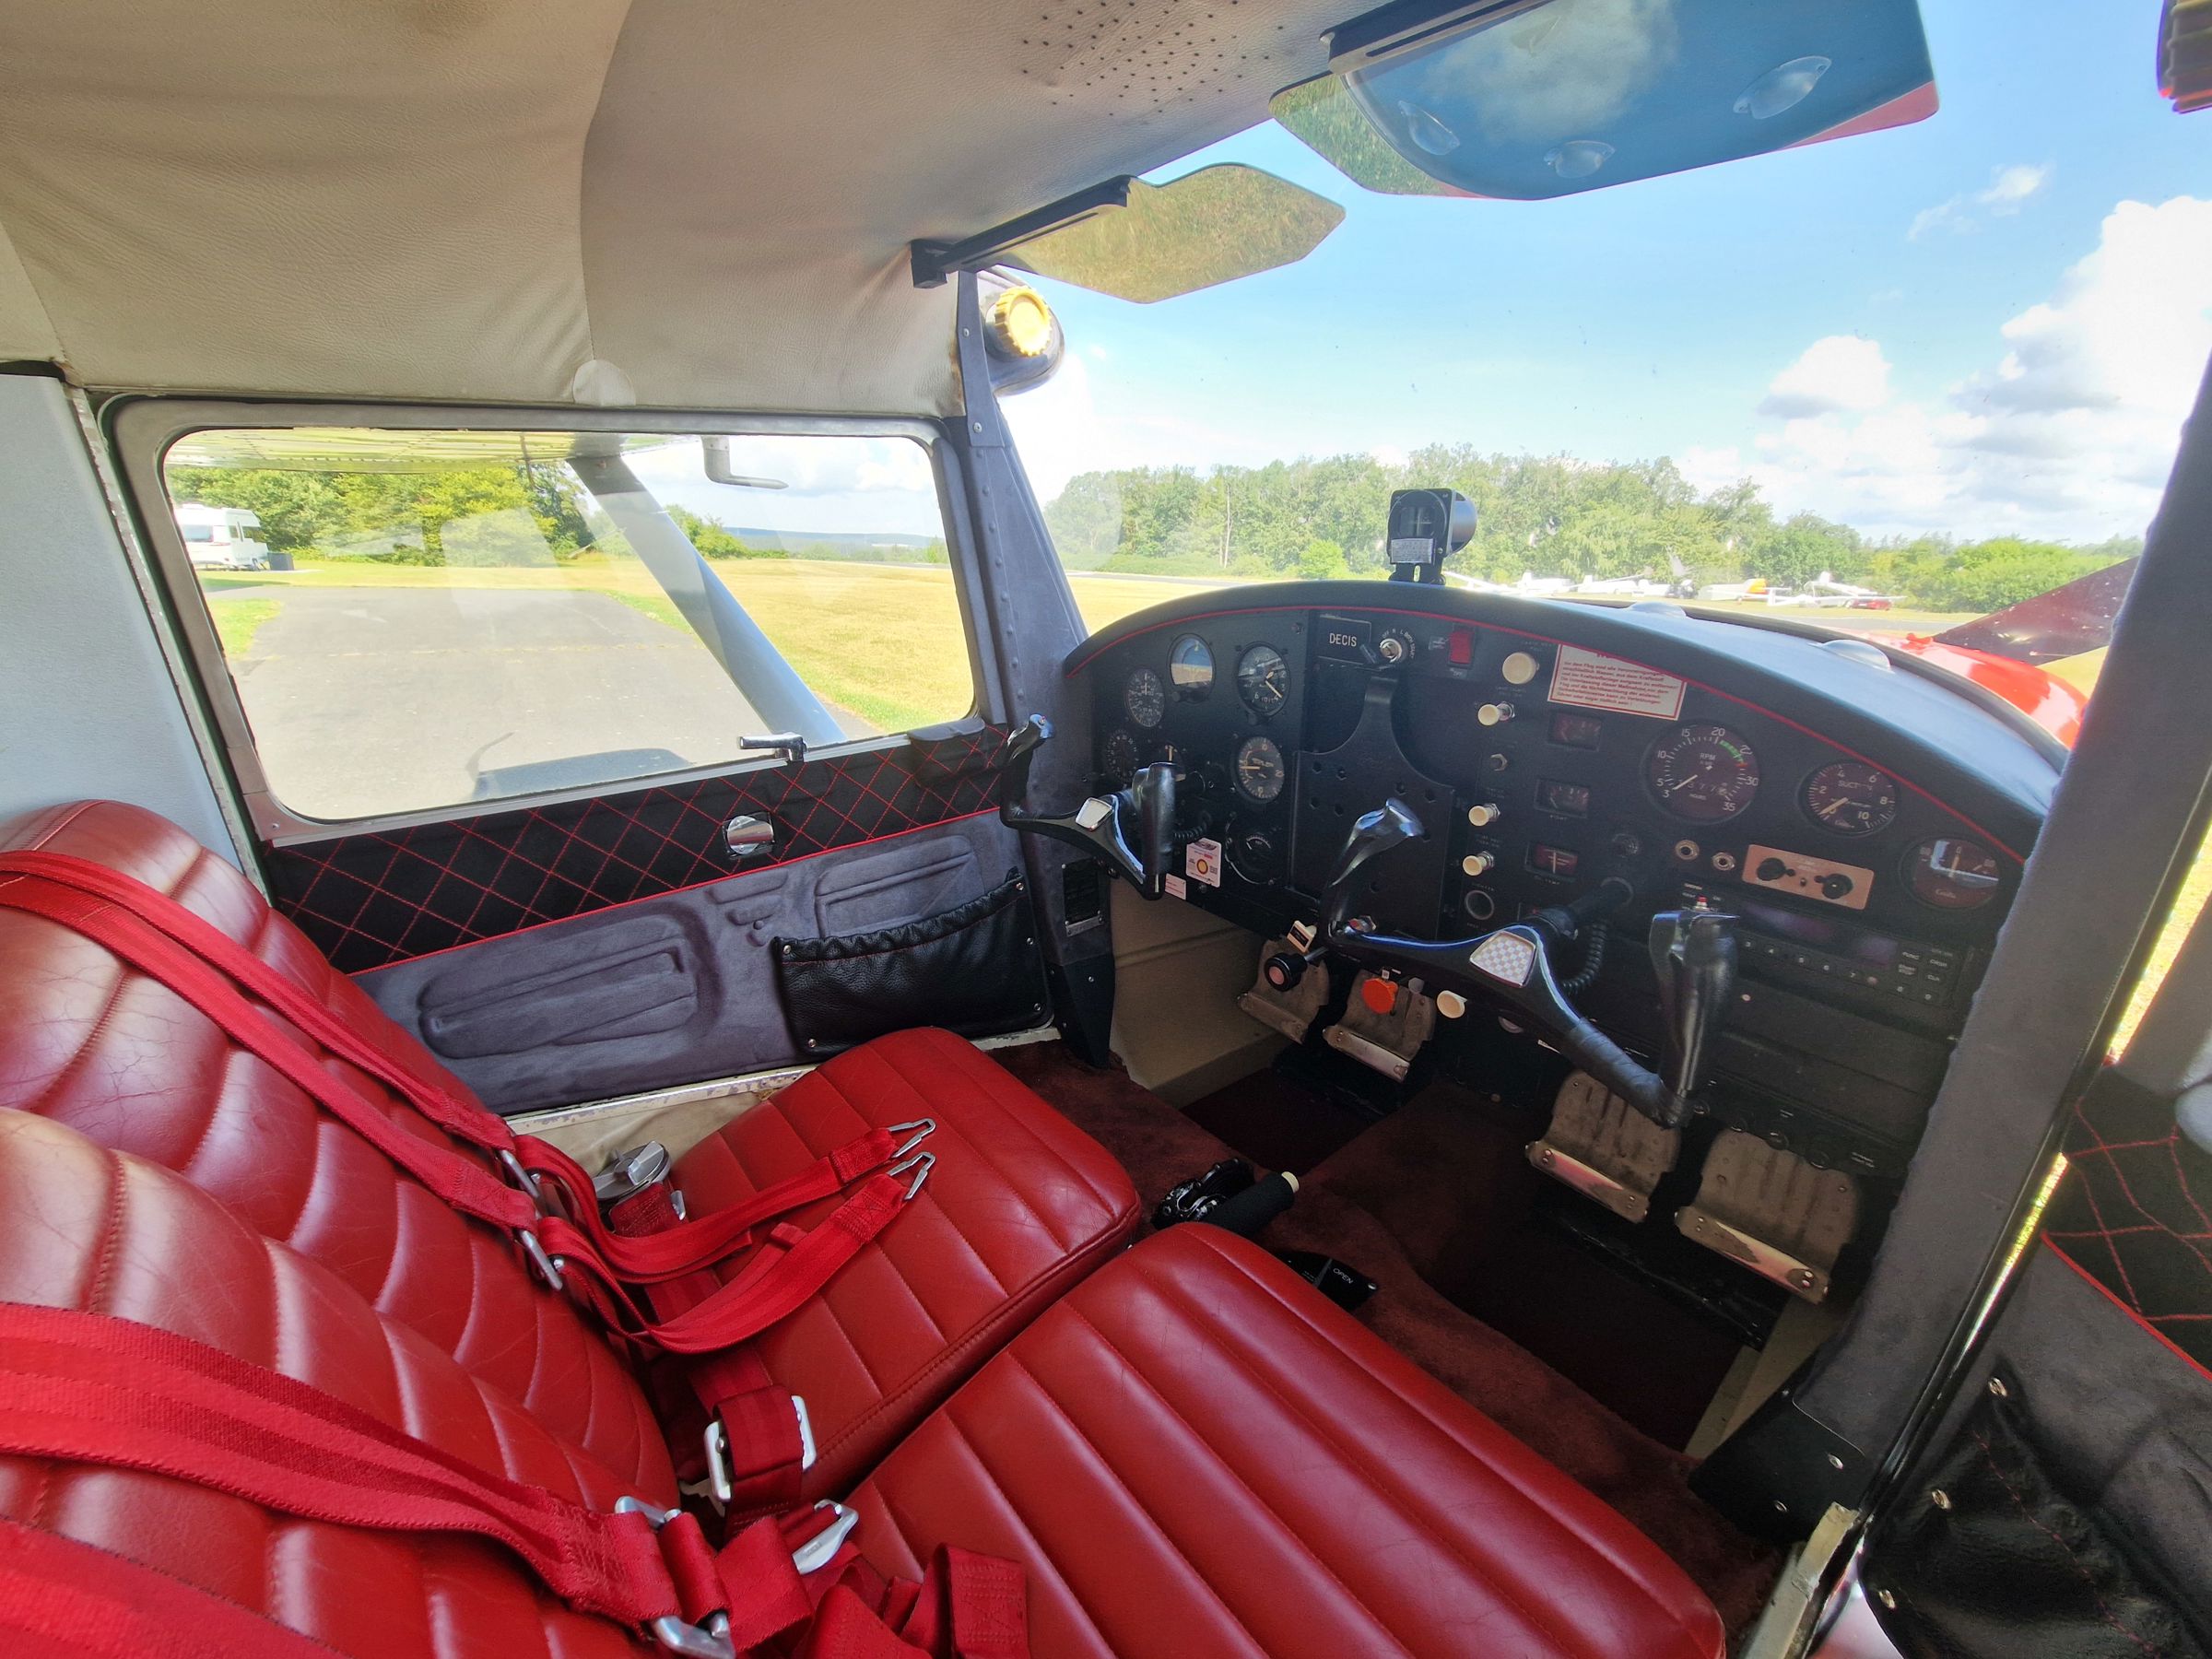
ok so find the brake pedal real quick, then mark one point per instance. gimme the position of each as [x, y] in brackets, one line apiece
[1772, 1212]
[1385, 1022]
[1605, 1148]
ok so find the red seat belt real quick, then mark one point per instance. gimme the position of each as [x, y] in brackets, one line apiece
[160, 938]
[686, 1247]
[92, 1389]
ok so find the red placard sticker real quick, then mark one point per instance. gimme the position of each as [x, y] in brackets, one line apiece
[1589, 679]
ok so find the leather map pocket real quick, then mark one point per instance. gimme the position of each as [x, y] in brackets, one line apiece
[973, 970]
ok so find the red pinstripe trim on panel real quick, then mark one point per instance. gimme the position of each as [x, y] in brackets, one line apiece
[692, 887]
[2135, 1318]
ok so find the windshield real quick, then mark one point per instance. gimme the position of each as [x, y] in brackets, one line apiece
[1885, 384]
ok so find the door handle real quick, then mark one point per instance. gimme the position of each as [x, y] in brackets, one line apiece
[750, 839]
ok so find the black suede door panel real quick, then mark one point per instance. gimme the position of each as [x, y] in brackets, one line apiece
[389, 895]
[671, 989]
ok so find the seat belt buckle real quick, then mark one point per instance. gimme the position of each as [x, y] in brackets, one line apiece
[546, 1268]
[631, 1170]
[720, 1486]
[711, 1639]
[916, 1132]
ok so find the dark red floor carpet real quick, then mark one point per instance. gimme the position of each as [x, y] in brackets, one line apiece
[1645, 1481]
[1275, 1121]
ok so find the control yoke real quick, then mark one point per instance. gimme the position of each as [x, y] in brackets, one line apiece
[1694, 953]
[1103, 824]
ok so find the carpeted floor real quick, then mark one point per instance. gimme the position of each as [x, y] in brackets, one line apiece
[1646, 1481]
[1251, 1115]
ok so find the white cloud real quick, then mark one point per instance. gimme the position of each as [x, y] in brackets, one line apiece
[2010, 188]
[2068, 433]
[1842, 372]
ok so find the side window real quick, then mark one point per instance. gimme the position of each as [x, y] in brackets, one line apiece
[422, 619]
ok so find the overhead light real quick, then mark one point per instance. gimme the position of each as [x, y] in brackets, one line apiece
[1782, 88]
[1019, 323]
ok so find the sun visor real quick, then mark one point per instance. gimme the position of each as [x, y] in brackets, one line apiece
[1148, 242]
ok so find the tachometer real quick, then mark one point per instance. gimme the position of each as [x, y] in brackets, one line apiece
[1851, 798]
[1191, 666]
[1952, 872]
[1263, 680]
[1260, 770]
[1705, 773]
[1145, 698]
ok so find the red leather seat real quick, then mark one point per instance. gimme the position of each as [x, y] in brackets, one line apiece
[1019, 1205]
[1194, 1453]
[82, 1227]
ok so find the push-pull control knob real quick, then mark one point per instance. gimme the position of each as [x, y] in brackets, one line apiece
[1836, 885]
[1494, 713]
[1475, 864]
[1483, 815]
[1285, 967]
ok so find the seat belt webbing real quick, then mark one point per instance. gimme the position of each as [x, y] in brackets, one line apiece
[94, 1389]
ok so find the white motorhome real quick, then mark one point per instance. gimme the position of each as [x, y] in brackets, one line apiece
[221, 538]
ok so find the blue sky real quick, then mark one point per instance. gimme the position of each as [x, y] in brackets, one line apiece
[1676, 317]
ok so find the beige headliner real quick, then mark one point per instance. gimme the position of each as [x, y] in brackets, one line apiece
[687, 203]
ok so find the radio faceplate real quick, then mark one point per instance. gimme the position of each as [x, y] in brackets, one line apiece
[1909, 978]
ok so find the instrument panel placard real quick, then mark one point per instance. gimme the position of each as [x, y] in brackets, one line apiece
[1589, 679]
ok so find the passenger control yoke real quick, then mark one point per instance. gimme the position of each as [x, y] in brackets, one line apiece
[1693, 952]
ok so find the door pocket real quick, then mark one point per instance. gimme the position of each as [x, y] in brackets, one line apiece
[973, 970]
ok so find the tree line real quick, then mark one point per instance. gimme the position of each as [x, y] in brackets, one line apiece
[1550, 516]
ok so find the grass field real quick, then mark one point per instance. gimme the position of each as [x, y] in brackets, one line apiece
[238, 620]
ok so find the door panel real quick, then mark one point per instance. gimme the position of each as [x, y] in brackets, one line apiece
[390, 895]
[674, 988]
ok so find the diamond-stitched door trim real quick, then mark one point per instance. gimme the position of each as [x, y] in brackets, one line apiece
[2132, 1213]
[372, 900]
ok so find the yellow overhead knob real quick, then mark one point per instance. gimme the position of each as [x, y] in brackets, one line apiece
[1020, 323]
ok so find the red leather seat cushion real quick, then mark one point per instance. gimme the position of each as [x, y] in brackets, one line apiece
[82, 1227]
[1194, 1452]
[1020, 1206]
[119, 1057]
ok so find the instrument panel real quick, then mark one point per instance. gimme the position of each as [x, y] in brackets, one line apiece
[1866, 827]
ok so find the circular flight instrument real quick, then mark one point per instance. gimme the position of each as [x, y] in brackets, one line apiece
[1121, 756]
[1263, 680]
[1191, 666]
[1253, 856]
[1704, 773]
[1851, 798]
[1260, 770]
[1145, 698]
[1952, 872]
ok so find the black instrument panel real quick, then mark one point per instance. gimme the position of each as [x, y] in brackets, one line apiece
[1866, 825]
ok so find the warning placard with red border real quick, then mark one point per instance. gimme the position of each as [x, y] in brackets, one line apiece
[1589, 679]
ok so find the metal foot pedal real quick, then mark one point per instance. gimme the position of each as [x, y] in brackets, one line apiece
[1384, 1024]
[1773, 1212]
[1605, 1148]
[1291, 1011]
